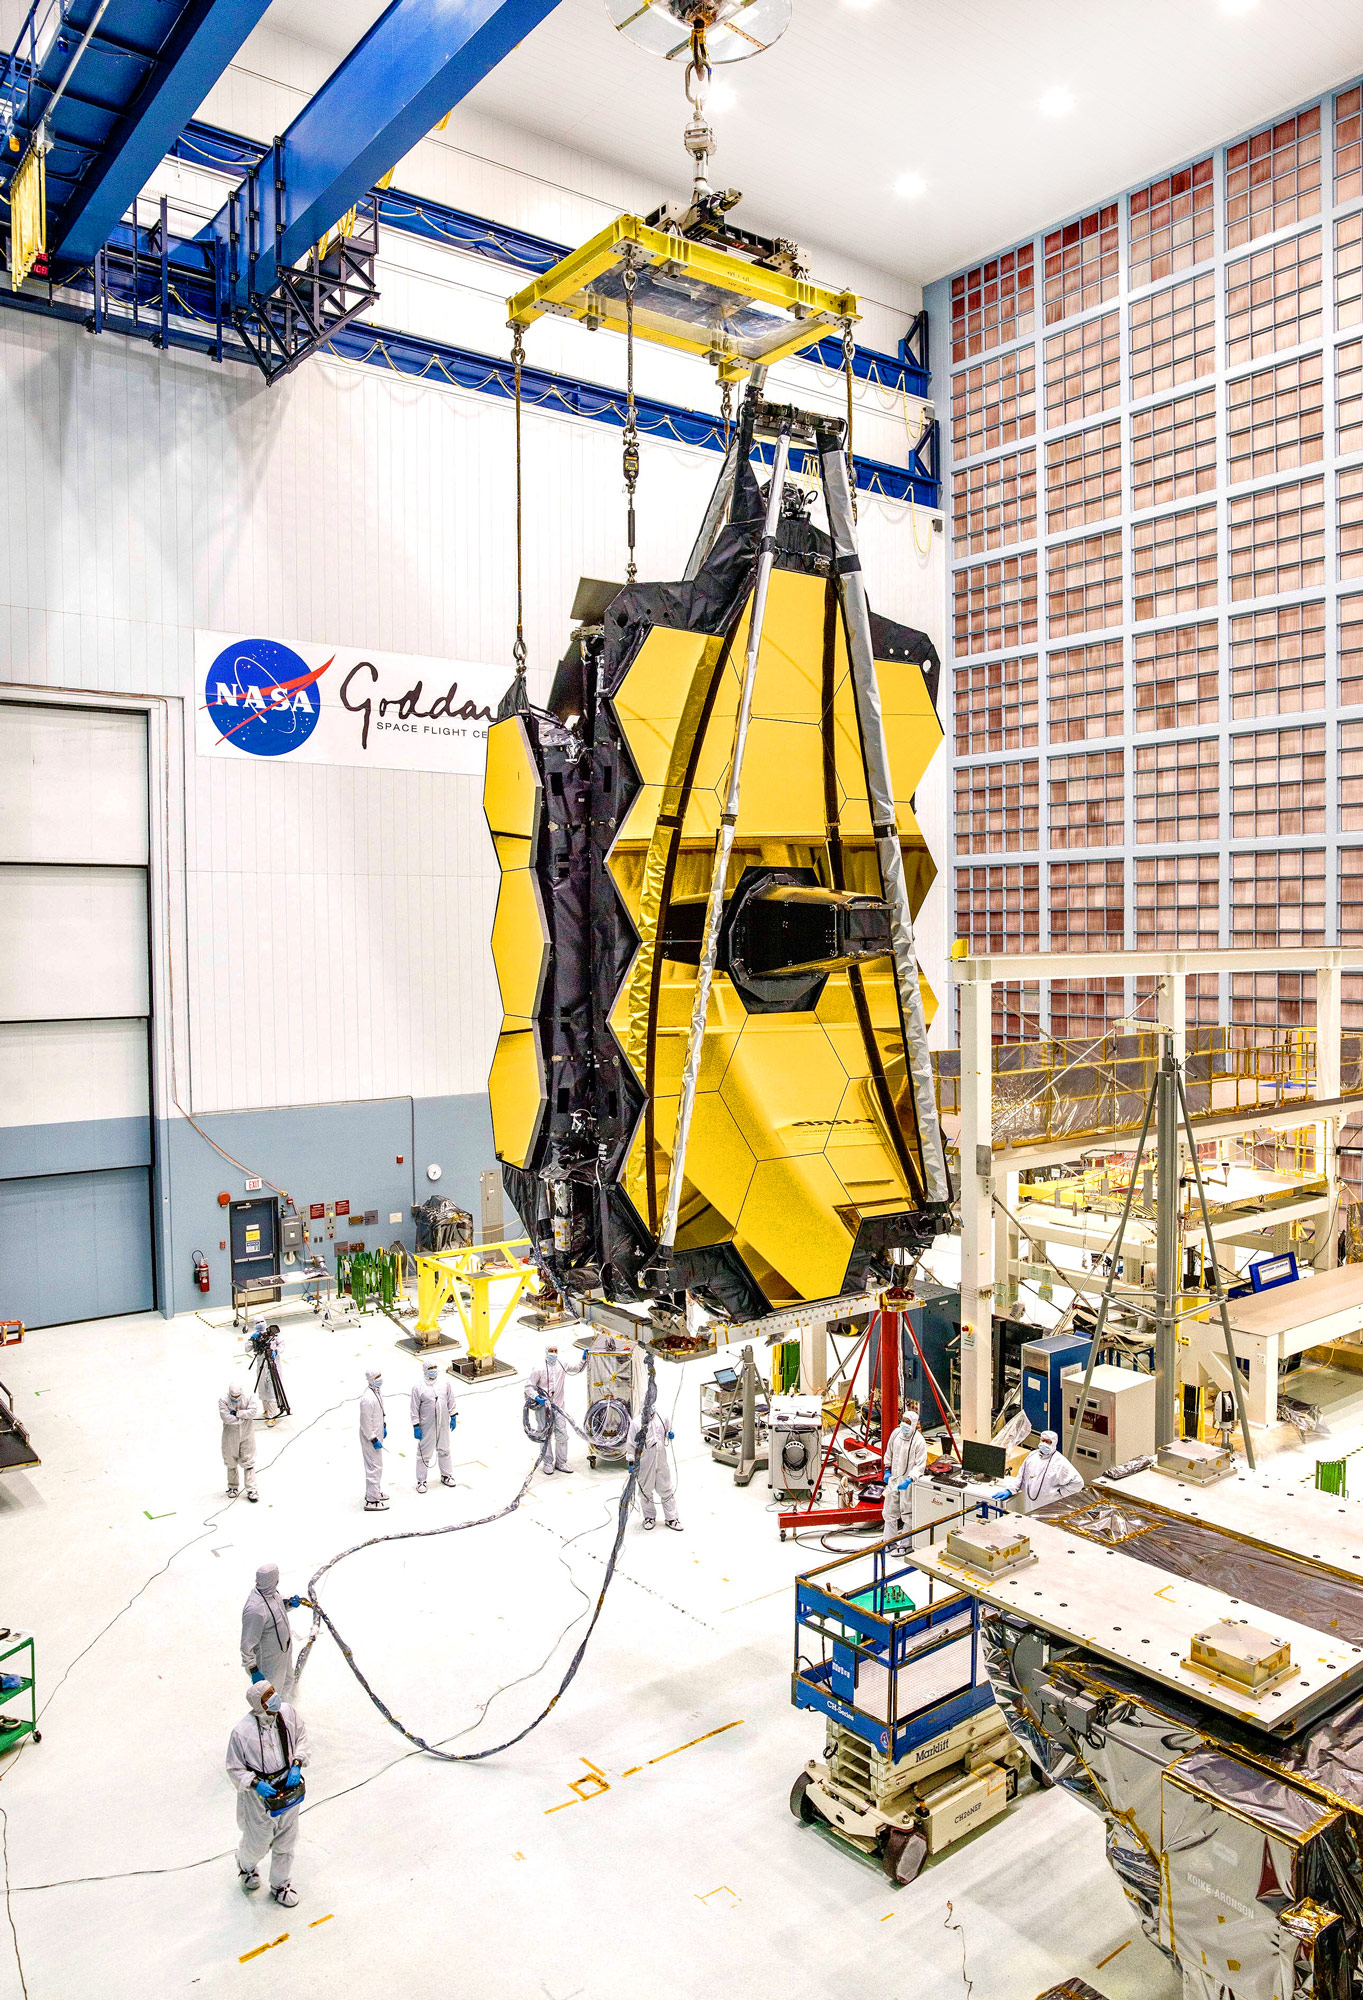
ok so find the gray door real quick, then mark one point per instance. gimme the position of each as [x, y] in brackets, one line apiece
[75, 1016]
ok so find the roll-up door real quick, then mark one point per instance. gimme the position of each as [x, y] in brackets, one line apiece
[75, 1016]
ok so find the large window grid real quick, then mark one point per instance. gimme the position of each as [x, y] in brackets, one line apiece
[1239, 363]
[996, 706]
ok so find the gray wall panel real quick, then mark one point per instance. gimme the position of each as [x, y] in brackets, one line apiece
[319, 1153]
[74, 1146]
[75, 1246]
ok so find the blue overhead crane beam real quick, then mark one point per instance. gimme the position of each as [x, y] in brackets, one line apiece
[113, 88]
[206, 36]
[415, 64]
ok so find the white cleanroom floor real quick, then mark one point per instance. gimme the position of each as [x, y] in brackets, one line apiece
[674, 1869]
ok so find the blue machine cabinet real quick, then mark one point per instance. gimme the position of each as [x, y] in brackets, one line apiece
[1042, 1362]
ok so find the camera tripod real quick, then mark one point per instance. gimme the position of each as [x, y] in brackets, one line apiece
[267, 1365]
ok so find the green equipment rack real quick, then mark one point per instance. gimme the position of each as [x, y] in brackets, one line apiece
[14, 1731]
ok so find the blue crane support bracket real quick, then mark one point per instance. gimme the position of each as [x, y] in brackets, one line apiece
[420, 58]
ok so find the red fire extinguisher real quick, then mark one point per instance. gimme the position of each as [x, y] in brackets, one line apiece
[201, 1278]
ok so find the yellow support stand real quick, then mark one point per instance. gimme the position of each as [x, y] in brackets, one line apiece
[467, 1275]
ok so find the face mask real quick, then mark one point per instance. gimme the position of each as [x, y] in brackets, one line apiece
[430, 1374]
[1046, 1450]
[273, 1703]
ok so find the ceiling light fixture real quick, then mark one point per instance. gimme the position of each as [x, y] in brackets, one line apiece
[1057, 102]
[910, 186]
[1237, 6]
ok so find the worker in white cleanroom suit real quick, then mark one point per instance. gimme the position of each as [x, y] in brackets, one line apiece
[239, 1411]
[905, 1461]
[547, 1385]
[433, 1418]
[266, 1640]
[1045, 1475]
[268, 1747]
[373, 1431]
[655, 1470]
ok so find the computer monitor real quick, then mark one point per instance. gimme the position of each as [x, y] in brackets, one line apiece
[726, 1377]
[983, 1461]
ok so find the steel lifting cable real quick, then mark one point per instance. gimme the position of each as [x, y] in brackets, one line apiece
[321, 1617]
[848, 350]
[630, 456]
[518, 649]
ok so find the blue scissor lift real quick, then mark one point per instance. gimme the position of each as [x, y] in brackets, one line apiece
[917, 1753]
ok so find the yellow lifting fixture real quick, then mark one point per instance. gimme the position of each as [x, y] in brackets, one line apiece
[467, 1275]
[694, 296]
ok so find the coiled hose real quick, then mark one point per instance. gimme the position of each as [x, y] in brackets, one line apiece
[322, 1618]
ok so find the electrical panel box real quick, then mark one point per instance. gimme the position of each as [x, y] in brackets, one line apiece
[934, 1315]
[491, 1212]
[1119, 1419]
[1043, 1362]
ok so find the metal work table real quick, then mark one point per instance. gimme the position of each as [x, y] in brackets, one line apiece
[247, 1304]
[1270, 1327]
[1144, 1618]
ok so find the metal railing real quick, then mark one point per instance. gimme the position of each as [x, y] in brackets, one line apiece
[1061, 1088]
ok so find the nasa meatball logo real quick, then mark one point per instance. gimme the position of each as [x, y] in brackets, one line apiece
[261, 698]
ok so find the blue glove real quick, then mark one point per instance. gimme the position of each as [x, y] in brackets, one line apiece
[670, 1436]
[385, 1430]
[377, 1443]
[1002, 1495]
[263, 1789]
[293, 1602]
[454, 1418]
[539, 1399]
[903, 1486]
[256, 1678]
[292, 1775]
[416, 1431]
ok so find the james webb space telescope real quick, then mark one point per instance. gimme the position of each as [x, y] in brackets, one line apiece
[713, 1075]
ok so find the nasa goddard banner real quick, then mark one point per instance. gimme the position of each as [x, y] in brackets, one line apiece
[311, 704]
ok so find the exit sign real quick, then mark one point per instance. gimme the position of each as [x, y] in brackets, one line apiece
[251, 1186]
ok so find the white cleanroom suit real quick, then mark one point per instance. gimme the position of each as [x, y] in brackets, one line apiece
[264, 1745]
[655, 1470]
[1045, 1475]
[239, 1411]
[373, 1431]
[433, 1419]
[266, 1640]
[905, 1461]
[550, 1381]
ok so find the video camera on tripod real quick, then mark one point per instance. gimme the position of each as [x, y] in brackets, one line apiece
[263, 1342]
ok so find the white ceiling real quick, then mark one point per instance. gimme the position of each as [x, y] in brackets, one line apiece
[860, 92]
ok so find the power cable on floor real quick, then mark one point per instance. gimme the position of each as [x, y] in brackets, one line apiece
[321, 1617]
[959, 1928]
[329, 1798]
[210, 1525]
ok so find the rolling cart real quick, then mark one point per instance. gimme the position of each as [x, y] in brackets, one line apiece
[14, 1728]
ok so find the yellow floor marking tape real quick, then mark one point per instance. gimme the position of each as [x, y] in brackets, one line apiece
[758, 1600]
[722, 1890]
[1111, 1955]
[321, 1920]
[263, 1947]
[592, 1786]
[698, 1739]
